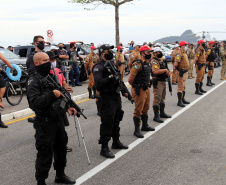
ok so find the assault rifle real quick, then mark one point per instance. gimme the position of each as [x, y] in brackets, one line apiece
[113, 69]
[168, 79]
[67, 97]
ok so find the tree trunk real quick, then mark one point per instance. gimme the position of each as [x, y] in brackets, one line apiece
[117, 25]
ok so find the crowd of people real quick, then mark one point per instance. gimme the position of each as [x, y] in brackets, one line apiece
[147, 68]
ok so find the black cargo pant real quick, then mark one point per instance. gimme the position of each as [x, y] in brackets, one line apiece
[111, 115]
[52, 142]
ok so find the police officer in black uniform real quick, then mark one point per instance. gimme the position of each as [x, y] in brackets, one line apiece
[39, 46]
[110, 103]
[50, 134]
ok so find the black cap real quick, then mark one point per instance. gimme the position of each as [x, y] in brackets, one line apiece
[105, 47]
[51, 54]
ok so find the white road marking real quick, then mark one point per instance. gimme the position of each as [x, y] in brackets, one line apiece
[107, 162]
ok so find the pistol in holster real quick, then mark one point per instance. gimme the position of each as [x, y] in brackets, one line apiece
[137, 88]
[155, 82]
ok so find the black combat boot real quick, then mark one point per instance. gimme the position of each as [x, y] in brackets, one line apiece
[200, 88]
[197, 89]
[183, 99]
[137, 132]
[90, 93]
[180, 103]
[211, 80]
[61, 178]
[156, 112]
[95, 92]
[41, 182]
[118, 145]
[208, 81]
[1, 123]
[106, 152]
[162, 111]
[98, 108]
[145, 126]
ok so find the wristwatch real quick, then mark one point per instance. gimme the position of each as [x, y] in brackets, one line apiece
[109, 76]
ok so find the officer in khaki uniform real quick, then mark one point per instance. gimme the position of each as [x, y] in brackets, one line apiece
[135, 55]
[210, 58]
[139, 79]
[173, 56]
[182, 66]
[223, 58]
[88, 66]
[120, 60]
[200, 62]
[159, 74]
[191, 58]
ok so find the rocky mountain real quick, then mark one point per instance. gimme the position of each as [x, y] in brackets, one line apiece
[187, 36]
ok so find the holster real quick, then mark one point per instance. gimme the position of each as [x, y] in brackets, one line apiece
[199, 66]
[120, 116]
[210, 67]
[145, 86]
[155, 82]
[38, 126]
[137, 88]
[181, 72]
[151, 81]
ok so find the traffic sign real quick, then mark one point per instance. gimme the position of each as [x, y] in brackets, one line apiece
[50, 33]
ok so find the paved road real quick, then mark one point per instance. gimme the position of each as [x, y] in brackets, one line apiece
[190, 148]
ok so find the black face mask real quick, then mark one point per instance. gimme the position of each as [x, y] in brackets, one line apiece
[147, 56]
[159, 55]
[109, 56]
[213, 46]
[204, 45]
[120, 51]
[41, 45]
[150, 45]
[43, 69]
[60, 48]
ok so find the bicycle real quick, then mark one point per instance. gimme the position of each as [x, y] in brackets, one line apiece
[14, 91]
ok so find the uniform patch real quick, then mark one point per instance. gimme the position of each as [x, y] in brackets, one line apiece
[87, 57]
[154, 63]
[95, 69]
[136, 67]
[178, 57]
[132, 56]
[156, 67]
[116, 55]
[29, 81]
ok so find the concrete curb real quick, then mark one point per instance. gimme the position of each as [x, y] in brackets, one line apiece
[28, 112]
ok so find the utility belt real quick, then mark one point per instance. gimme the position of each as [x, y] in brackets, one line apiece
[182, 71]
[120, 63]
[144, 86]
[155, 81]
[38, 123]
[200, 65]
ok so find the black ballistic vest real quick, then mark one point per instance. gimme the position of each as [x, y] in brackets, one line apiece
[143, 77]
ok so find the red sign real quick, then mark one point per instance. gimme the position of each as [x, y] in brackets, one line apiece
[50, 33]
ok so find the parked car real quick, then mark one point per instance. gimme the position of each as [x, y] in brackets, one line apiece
[26, 50]
[15, 59]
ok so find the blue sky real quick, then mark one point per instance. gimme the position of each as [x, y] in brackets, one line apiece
[144, 20]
